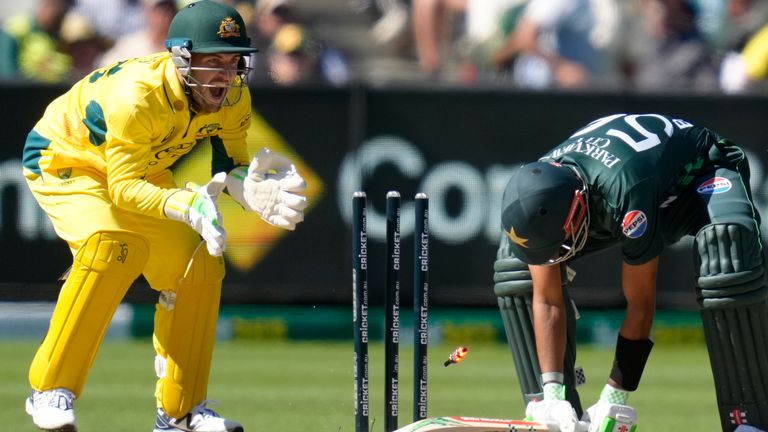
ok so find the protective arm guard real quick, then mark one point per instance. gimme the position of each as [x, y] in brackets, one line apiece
[514, 288]
[732, 295]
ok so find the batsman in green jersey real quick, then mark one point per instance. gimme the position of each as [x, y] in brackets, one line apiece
[637, 183]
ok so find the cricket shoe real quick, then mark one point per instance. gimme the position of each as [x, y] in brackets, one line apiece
[52, 410]
[199, 419]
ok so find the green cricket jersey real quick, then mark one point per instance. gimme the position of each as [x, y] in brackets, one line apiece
[635, 165]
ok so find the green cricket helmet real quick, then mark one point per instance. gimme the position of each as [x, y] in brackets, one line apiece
[209, 27]
[544, 212]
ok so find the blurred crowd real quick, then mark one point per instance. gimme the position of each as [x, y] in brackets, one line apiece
[646, 45]
[64, 40]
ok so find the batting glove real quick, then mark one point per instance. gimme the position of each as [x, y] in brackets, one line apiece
[271, 187]
[198, 209]
[609, 417]
[554, 413]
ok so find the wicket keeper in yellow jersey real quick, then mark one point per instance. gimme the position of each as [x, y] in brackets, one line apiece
[98, 163]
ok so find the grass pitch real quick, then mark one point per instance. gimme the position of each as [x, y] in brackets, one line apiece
[299, 386]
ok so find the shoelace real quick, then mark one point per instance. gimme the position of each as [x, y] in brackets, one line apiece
[57, 398]
[198, 414]
[202, 410]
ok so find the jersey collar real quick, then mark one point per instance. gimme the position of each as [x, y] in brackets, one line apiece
[173, 87]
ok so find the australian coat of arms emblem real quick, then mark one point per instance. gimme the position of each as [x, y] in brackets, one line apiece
[228, 28]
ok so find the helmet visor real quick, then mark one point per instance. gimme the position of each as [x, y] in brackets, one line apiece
[237, 79]
[576, 228]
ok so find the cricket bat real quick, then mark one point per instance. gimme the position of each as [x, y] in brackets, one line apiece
[473, 424]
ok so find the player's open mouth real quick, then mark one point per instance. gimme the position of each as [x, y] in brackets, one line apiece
[217, 93]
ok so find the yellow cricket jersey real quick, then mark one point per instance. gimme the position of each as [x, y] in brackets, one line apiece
[130, 122]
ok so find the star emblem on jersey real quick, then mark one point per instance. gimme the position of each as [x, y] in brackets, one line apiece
[228, 28]
[516, 238]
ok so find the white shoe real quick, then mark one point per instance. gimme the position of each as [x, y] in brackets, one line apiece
[199, 419]
[52, 410]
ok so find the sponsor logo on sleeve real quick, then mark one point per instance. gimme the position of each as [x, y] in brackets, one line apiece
[713, 186]
[635, 223]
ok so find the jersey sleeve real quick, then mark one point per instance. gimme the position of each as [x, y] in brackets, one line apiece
[639, 223]
[230, 148]
[127, 153]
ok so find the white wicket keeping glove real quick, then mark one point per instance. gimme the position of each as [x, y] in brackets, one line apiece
[608, 417]
[198, 209]
[554, 413]
[271, 187]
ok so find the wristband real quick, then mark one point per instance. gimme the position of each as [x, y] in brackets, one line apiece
[549, 377]
[177, 205]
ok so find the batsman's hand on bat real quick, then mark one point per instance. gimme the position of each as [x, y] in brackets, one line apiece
[271, 187]
[606, 417]
[198, 209]
[558, 415]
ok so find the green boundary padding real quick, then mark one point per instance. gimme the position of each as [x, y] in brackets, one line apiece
[446, 324]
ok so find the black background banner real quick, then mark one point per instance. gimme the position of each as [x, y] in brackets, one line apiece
[456, 145]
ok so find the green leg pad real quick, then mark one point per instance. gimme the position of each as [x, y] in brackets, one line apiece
[513, 288]
[734, 311]
[736, 341]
